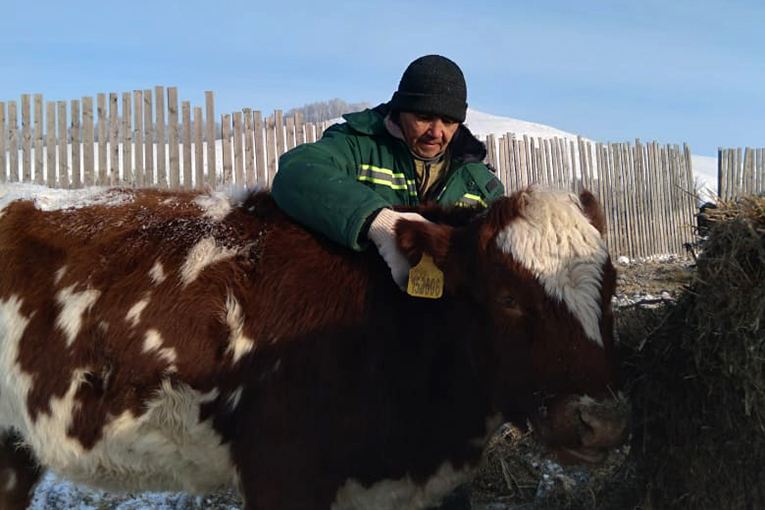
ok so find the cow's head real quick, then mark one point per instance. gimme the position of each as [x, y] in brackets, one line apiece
[536, 272]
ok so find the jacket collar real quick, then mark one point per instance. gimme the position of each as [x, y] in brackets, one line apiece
[464, 145]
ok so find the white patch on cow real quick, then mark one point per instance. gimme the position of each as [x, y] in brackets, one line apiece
[134, 314]
[153, 343]
[73, 306]
[14, 384]
[157, 273]
[215, 205]
[165, 448]
[47, 435]
[234, 398]
[10, 480]
[403, 494]
[238, 343]
[558, 244]
[201, 255]
[59, 275]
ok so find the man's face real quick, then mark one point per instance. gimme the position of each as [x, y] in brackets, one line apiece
[427, 135]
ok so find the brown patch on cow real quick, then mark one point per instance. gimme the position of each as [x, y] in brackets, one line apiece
[113, 250]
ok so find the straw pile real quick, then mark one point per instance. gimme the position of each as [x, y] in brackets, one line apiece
[698, 377]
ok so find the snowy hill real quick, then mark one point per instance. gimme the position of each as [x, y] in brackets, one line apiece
[482, 124]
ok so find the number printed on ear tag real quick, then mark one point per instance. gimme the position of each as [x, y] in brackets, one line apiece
[425, 279]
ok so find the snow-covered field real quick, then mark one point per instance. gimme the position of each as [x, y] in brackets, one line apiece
[54, 493]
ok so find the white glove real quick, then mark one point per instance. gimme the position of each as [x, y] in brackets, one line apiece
[383, 234]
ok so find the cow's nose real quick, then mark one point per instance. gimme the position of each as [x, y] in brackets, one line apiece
[604, 424]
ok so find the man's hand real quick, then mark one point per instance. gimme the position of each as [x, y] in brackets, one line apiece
[382, 233]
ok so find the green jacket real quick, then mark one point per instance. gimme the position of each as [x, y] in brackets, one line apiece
[334, 185]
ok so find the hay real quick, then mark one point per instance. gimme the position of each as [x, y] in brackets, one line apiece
[697, 377]
[517, 473]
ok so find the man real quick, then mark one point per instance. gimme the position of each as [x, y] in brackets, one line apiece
[410, 150]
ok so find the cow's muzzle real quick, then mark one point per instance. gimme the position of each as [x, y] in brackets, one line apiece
[580, 428]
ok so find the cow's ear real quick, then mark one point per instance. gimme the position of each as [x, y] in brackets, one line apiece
[592, 210]
[416, 237]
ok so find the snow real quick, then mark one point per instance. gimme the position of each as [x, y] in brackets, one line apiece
[47, 199]
[483, 124]
[55, 493]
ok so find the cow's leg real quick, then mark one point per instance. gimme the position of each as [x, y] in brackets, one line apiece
[19, 472]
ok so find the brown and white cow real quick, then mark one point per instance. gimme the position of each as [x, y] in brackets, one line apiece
[154, 340]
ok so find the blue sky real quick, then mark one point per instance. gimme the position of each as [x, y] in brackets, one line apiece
[674, 71]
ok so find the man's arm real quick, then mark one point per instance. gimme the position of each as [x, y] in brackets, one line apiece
[316, 185]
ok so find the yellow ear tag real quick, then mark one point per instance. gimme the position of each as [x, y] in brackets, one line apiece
[425, 279]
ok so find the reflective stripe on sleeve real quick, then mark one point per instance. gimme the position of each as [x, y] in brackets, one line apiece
[469, 200]
[386, 177]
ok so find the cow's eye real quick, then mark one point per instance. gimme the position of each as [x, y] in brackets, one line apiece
[508, 301]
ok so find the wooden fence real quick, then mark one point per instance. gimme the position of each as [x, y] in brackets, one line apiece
[646, 190]
[110, 146]
[737, 175]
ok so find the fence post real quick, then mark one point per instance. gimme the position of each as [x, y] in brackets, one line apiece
[13, 141]
[75, 141]
[280, 149]
[114, 160]
[173, 138]
[748, 179]
[249, 149]
[50, 142]
[88, 141]
[102, 136]
[138, 137]
[3, 164]
[37, 134]
[225, 134]
[26, 139]
[127, 142]
[186, 136]
[63, 141]
[238, 156]
[211, 171]
[159, 97]
[290, 133]
[148, 139]
[260, 154]
[299, 126]
[199, 148]
[271, 150]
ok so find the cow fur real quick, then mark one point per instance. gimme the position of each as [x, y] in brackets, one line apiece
[178, 341]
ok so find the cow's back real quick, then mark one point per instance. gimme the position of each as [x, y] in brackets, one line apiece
[127, 322]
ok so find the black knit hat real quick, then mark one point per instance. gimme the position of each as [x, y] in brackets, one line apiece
[432, 84]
